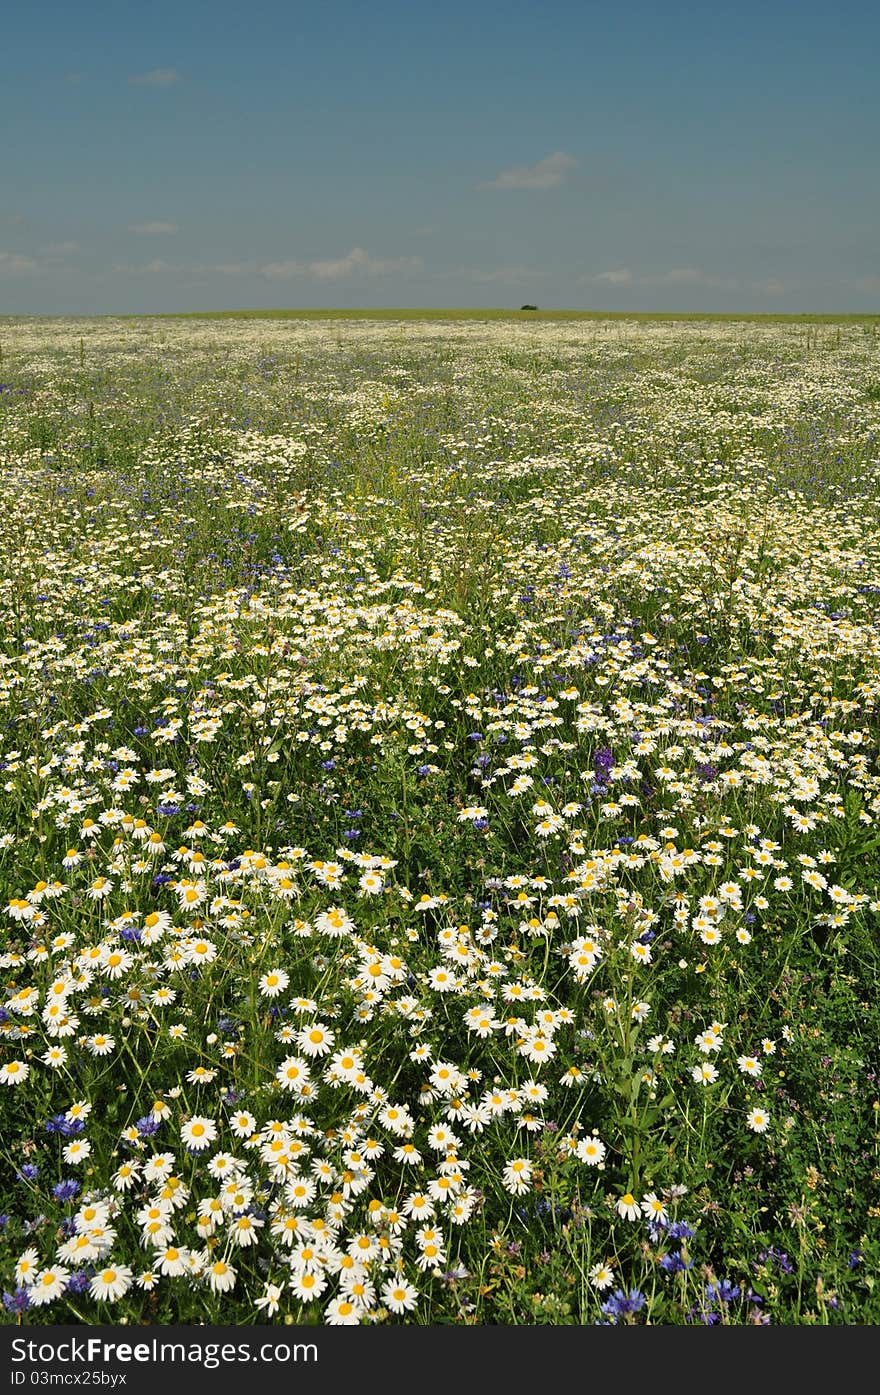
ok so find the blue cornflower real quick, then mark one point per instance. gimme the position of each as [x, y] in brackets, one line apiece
[722, 1291]
[603, 760]
[66, 1190]
[59, 1123]
[622, 1304]
[680, 1230]
[672, 1263]
[17, 1302]
[707, 1317]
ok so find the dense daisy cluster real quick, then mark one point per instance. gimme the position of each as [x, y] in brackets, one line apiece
[421, 746]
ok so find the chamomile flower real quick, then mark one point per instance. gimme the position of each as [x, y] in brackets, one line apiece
[220, 1276]
[601, 1276]
[705, 1074]
[198, 1133]
[749, 1065]
[48, 1286]
[517, 1176]
[343, 1311]
[590, 1150]
[14, 1073]
[27, 1267]
[653, 1208]
[111, 1282]
[273, 983]
[399, 1296]
[307, 1285]
[270, 1299]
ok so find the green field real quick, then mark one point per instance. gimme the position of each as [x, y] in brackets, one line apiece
[440, 818]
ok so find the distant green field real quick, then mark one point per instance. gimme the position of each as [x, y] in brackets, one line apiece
[513, 314]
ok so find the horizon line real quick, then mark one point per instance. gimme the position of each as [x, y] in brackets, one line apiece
[529, 313]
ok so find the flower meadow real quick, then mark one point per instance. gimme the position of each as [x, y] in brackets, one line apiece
[439, 822]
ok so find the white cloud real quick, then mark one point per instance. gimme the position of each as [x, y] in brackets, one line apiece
[156, 228]
[156, 77]
[276, 271]
[684, 276]
[14, 263]
[517, 274]
[548, 173]
[692, 276]
[357, 260]
[678, 276]
[773, 286]
[621, 276]
[156, 267]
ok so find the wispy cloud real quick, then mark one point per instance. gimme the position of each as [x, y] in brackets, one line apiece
[356, 261]
[684, 276]
[517, 275]
[692, 276]
[156, 267]
[14, 263]
[153, 229]
[773, 286]
[548, 173]
[676, 276]
[156, 77]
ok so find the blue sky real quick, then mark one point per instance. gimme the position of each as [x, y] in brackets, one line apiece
[645, 156]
